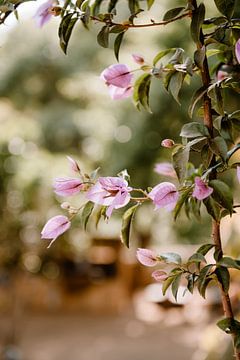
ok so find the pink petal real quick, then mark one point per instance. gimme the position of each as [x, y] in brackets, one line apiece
[43, 15]
[55, 227]
[159, 275]
[237, 50]
[74, 165]
[67, 186]
[164, 195]
[118, 93]
[201, 190]
[98, 195]
[146, 257]
[166, 169]
[118, 75]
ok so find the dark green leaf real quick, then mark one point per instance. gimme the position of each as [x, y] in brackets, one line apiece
[190, 282]
[229, 263]
[65, 30]
[206, 155]
[175, 84]
[112, 4]
[203, 279]
[219, 147]
[161, 54]
[170, 258]
[228, 325]
[195, 99]
[172, 13]
[204, 249]
[180, 157]
[181, 201]
[197, 258]
[212, 208]
[222, 194]
[175, 285]
[117, 44]
[194, 129]
[103, 36]
[126, 224]
[150, 3]
[197, 21]
[87, 211]
[166, 284]
[199, 57]
[101, 212]
[141, 91]
[223, 277]
[226, 7]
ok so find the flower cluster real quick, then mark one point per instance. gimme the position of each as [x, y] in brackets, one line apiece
[114, 193]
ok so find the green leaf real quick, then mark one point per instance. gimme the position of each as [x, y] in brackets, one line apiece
[203, 279]
[212, 208]
[170, 258]
[223, 277]
[190, 282]
[194, 129]
[150, 3]
[85, 215]
[103, 36]
[206, 155]
[95, 8]
[228, 325]
[172, 13]
[196, 23]
[166, 284]
[161, 54]
[101, 212]
[219, 147]
[175, 285]
[205, 248]
[126, 224]
[180, 157]
[199, 57]
[222, 194]
[175, 84]
[197, 258]
[117, 44]
[229, 263]
[198, 95]
[181, 201]
[112, 4]
[65, 30]
[141, 91]
[226, 7]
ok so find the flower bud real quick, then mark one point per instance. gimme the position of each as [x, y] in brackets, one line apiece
[73, 164]
[138, 59]
[168, 143]
[65, 205]
[55, 10]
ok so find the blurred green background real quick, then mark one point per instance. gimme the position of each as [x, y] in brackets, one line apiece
[54, 105]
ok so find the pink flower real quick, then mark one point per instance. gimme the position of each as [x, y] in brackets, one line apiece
[237, 50]
[146, 257]
[201, 190]
[165, 168]
[55, 227]
[117, 93]
[221, 75]
[44, 13]
[238, 173]
[164, 195]
[168, 143]
[110, 191]
[159, 275]
[73, 164]
[118, 79]
[67, 186]
[138, 59]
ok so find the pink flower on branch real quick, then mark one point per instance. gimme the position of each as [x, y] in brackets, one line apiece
[112, 192]
[237, 50]
[166, 169]
[146, 257]
[201, 189]
[67, 186]
[55, 227]
[44, 13]
[118, 78]
[159, 275]
[164, 195]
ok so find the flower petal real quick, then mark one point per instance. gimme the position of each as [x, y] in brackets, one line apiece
[146, 257]
[118, 75]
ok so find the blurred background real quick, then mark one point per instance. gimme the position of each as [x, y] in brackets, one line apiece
[87, 297]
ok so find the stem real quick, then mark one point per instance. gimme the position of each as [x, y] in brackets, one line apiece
[130, 25]
[216, 236]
